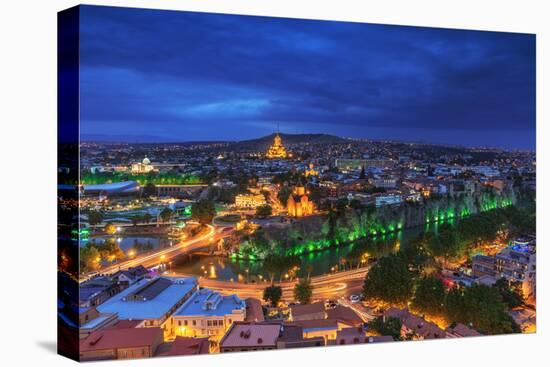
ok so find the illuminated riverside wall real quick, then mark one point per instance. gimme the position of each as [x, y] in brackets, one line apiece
[88, 178]
[352, 225]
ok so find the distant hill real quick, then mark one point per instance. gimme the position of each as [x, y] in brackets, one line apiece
[288, 140]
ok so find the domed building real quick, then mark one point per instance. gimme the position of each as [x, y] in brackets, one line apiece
[298, 203]
[143, 167]
[276, 150]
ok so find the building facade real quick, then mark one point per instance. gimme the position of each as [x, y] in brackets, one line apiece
[276, 150]
[250, 201]
[298, 203]
[208, 314]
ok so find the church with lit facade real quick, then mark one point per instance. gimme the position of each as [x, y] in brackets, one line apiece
[276, 150]
[298, 203]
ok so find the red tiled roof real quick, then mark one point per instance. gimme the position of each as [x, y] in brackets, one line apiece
[350, 335]
[316, 324]
[345, 314]
[416, 324]
[462, 330]
[248, 334]
[183, 346]
[300, 310]
[120, 338]
[125, 324]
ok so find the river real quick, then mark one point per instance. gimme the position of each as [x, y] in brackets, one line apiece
[320, 262]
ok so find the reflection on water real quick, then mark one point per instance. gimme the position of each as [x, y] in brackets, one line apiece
[135, 244]
[318, 263]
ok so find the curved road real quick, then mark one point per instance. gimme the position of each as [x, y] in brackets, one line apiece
[329, 286]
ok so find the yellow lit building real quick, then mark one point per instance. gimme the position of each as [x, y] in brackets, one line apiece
[276, 150]
[207, 314]
[144, 166]
[250, 200]
[298, 203]
[310, 171]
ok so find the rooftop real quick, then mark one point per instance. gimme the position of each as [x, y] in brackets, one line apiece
[300, 310]
[156, 302]
[206, 302]
[345, 314]
[120, 338]
[244, 334]
[312, 325]
[184, 346]
[462, 330]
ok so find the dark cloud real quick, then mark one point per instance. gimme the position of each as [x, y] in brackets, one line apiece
[189, 76]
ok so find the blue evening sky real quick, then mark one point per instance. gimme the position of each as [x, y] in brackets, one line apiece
[166, 76]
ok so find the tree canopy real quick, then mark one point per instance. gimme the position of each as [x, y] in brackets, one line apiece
[95, 217]
[389, 280]
[264, 211]
[481, 307]
[429, 296]
[303, 290]
[203, 211]
[273, 294]
[391, 326]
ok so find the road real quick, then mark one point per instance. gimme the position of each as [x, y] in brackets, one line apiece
[329, 286]
[166, 254]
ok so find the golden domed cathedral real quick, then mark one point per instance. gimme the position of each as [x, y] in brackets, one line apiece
[276, 150]
[298, 203]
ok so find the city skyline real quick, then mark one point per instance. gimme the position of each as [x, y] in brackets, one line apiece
[182, 76]
[234, 183]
